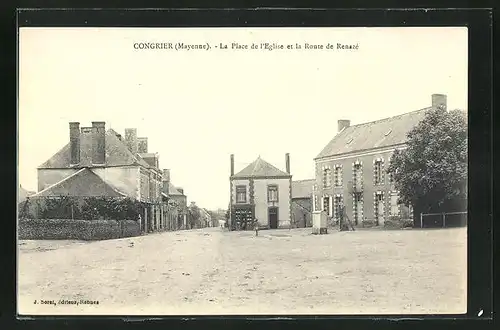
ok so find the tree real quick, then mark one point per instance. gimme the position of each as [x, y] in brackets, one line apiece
[432, 170]
[194, 215]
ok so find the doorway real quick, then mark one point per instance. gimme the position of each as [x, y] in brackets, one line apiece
[273, 217]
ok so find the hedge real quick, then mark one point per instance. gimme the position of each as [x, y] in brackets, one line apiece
[81, 208]
[77, 229]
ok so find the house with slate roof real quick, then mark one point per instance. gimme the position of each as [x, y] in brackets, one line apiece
[260, 191]
[302, 196]
[351, 168]
[100, 163]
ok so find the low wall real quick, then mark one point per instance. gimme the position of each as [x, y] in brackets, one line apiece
[77, 229]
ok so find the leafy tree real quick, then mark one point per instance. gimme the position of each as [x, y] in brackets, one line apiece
[432, 171]
[194, 215]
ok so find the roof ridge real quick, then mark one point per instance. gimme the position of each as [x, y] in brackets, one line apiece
[390, 118]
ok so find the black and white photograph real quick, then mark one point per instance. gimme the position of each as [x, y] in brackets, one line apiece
[242, 171]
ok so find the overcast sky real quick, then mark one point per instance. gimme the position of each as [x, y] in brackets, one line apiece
[198, 107]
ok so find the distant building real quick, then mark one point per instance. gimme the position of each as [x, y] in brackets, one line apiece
[351, 168]
[175, 194]
[205, 218]
[263, 192]
[302, 196]
[101, 163]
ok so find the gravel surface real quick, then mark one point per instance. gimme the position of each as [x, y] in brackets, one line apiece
[211, 271]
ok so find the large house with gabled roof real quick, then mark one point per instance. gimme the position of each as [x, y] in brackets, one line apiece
[351, 168]
[100, 163]
[260, 191]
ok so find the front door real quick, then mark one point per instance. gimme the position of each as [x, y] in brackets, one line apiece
[273, 217]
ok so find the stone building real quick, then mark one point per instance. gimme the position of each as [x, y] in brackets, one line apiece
[351, 168]
[175, 194]
[99, 162]
[263, 192]
[302, 196]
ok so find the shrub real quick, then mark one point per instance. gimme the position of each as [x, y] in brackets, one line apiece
[407, 223]
[396, 222]
[368, 223]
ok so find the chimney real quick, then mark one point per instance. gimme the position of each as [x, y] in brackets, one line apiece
[74, 142]
[287, 161]
[343, 123]
[166, 180]
[142, 145]
[232, 164]
[131, 139]
[439, 102]
[98, 142]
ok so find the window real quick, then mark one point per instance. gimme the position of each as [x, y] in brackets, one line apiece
[241, 194]
[357, 174]
[272, 193]
[337, 204]
[338, 176]
[394, 204]
[326, 205]
[327, 177]
[378, 172]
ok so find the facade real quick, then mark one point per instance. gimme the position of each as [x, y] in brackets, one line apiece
[263, 192]
[100, 163]
[351, 168]
[179, 199]
[302, 196]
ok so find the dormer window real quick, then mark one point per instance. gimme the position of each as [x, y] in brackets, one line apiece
[388, 132]
[349, 141]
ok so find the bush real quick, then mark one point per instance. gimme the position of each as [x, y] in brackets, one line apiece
[407, 223]
[368, 223]
[396, 222]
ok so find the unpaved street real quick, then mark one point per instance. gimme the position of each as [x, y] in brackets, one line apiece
[279, 272]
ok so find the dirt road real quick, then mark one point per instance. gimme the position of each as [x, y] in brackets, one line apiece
[279, 272]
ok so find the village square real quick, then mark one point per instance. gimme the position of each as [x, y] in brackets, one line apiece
[110, 231]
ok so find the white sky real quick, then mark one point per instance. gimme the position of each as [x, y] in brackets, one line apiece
[198, 107]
